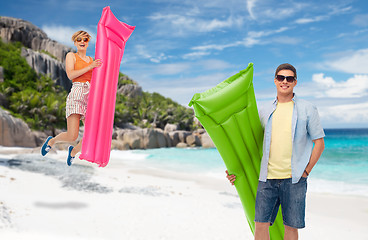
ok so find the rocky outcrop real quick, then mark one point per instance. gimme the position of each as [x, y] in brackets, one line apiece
[18, 30]
[178, 136]
[206, 141]
[183, 135]
[35, 41]
[119, 145]
[130, 88]
[147, 138]
[144, 138]
[170, 127]
[46, 65]
[155, 138]
[182, 145]
[133, 138]
[193, 140]
[15, 132]
[174, 138]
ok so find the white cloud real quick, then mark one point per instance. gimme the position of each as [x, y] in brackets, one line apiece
[195, 55]
[218, 47]
[332, 10]
[250, 6]
[269, 10]
[171, 68]
[340, 103]
[185, 24]
[310, 20]
[361, 20]
[354, 87]
[180, 80]
[258, 34]
[213, 64]
[351, 114]
[181, 86]
[63, 34]
[215, 24]
[353, 34]
[286, 40]
[336, 10]
[141, 50]
[182, 90]
[253, 38]
[197, 66]
[355, 62]
[180, 69]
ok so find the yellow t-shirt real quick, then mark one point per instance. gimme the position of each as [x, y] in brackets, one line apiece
[279, 164]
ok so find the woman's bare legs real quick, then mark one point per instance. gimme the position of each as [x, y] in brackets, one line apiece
[77, 148]
[72, 131]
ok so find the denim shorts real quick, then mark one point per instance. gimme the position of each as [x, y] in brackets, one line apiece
[275, 192]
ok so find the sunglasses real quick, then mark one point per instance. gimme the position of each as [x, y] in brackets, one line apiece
[281, 78]
[80, 39]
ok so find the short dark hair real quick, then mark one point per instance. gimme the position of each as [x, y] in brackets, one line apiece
[286, 66]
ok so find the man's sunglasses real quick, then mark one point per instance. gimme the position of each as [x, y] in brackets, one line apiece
[84, 39]
[281, 78]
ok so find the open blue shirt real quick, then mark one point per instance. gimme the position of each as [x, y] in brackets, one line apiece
[306, 127]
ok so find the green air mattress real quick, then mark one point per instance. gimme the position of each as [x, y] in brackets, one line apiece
[229, 114]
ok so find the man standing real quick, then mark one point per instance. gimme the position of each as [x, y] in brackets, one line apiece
[292, 127]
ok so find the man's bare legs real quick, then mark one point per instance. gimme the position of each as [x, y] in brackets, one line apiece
[261, 231]
[291, 233]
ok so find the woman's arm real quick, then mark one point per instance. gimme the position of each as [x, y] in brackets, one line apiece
[69, 66]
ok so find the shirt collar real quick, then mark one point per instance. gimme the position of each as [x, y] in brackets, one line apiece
[294, 99]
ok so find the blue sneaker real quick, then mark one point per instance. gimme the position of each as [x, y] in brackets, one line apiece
[45, 149]
[70, 159]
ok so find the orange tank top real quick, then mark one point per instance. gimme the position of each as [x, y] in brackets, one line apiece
[79, 64]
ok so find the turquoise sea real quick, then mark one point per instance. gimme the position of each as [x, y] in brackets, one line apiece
[343, 167]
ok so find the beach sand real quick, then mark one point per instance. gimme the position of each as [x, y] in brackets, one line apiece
[42, 198]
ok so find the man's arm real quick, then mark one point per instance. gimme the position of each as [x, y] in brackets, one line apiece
[231, 178]
[319, 146]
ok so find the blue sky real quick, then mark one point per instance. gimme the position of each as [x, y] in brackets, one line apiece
[188, 46]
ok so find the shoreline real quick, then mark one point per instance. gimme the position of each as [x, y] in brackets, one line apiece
[316, 185]
[144, 203]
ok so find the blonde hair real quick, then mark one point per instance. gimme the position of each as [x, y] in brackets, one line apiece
[80, 34]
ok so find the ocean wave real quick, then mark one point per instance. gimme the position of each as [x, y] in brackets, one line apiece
[337, 187]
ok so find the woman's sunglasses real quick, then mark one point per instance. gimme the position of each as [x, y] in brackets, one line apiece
[84, 39]
[281, 78]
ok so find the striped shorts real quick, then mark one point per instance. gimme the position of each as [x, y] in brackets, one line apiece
[76, 102]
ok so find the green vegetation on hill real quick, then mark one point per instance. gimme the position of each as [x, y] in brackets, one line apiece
[152, 108]
[35, 99]
[41, 104]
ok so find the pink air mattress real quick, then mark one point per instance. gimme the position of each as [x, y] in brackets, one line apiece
[110, 43]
